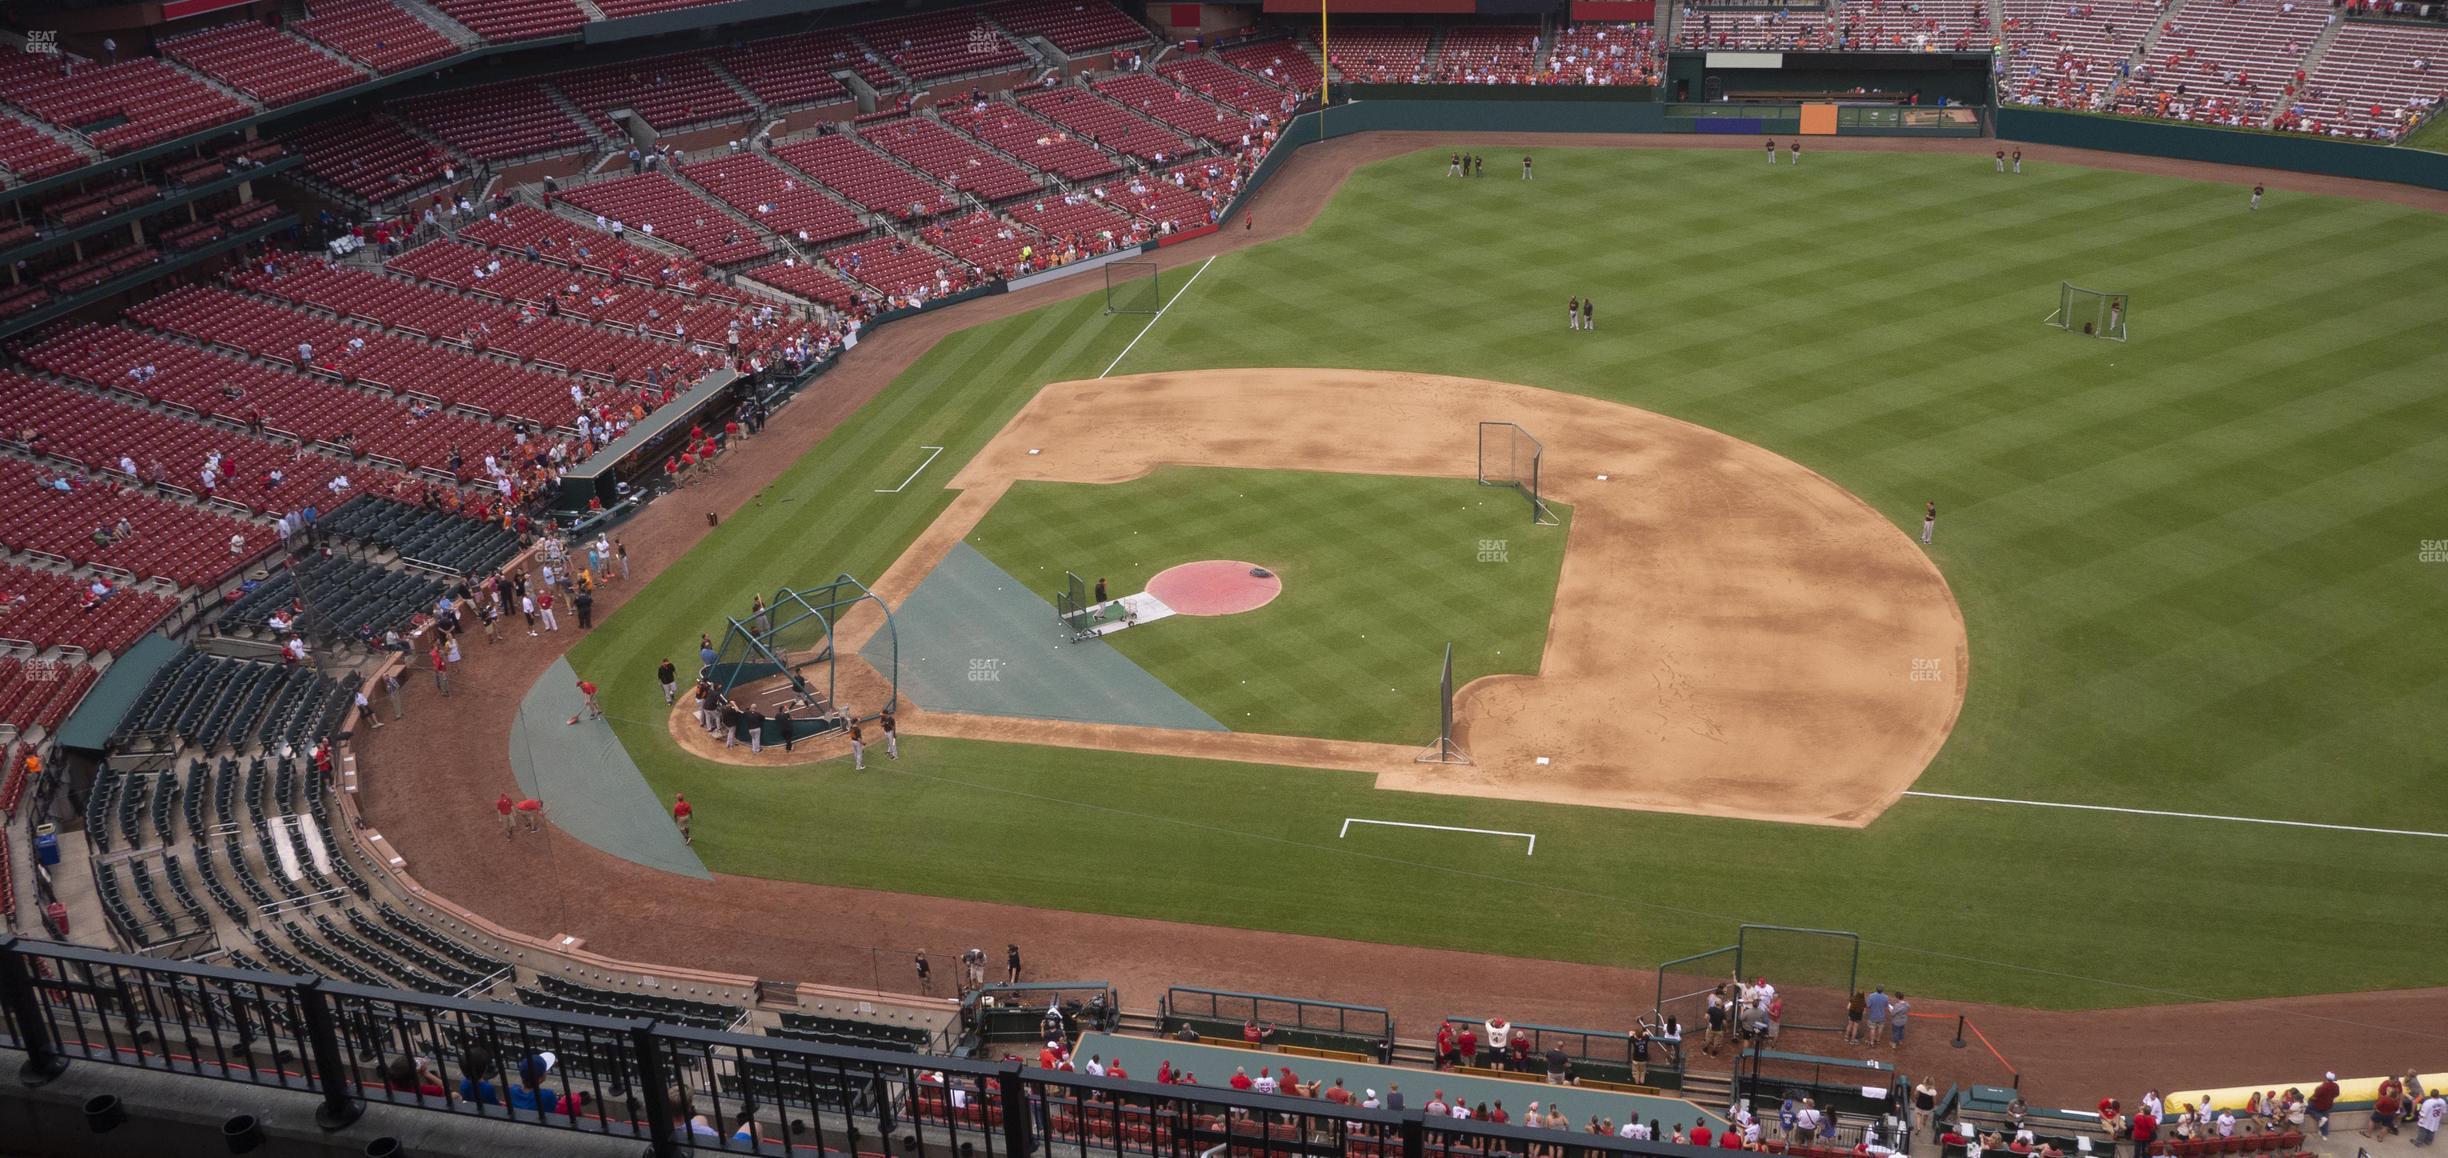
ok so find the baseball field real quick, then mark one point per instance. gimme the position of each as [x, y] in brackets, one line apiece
[2195, 570]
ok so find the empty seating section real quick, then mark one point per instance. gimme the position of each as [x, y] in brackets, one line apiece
[1076, 220]
[269, 65]
[940, 44]
[31, 153]
[1917, 26]
[342, 597]
[2069, 57]
[1224, 84]
[49, 609]
[845, 1031]
[100, 431]
[230, 319]
[805, 279]
[515, 19]
[120, 106]
[1375, 54]
[1073, 26]
[1168, 105]
[2367, 84]
[1281, 62]
[188, 545]
[618, 9]
[553, 343]
[375, 33]
[215, 699]
[949, 158]
[1104, 123]
[873, 181]
[669, 91]
[775, 199]
[423, 534]
[2232, 64]
[895, 267]
[569, 293]
[1607, 54]
[793, 70]
[676, 215]
[1786, 28]
[371, 158]
[212, 382]
[986, 241]
[1486, 54]
[98, 203]
[98, 269]
[497, 122]
[554, 993]
[564, 242]
[1047, 147]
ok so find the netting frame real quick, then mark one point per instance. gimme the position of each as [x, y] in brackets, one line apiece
[1121, 275]
[794, 634]
[1755, 955]
[1514, 461]
[2092, 313]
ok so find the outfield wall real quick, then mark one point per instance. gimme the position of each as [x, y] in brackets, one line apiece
[2289, 151]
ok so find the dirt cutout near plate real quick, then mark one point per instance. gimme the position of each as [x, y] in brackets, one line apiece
[1732, 635]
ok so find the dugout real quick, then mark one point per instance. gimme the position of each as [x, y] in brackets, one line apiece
[1916, 79]
[1600, 1057]
[1005, 1014]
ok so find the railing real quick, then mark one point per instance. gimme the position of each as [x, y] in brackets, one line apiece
[1298, 1021]
[1605, 1055]
[674, 1088]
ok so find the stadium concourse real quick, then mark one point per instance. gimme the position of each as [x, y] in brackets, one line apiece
[275, 396]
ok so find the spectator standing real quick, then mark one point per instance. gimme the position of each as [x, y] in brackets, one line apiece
[441, 669]
[1854, 1010]
[2324, 1099]
[509, 815]
[584, 601]
[2428, 1118]
[1011, 958]
[533, 810]
[925, 985]
[1897, 1011]
[681, 811]
[973, 965]
[1925, 1106]
[544, 610]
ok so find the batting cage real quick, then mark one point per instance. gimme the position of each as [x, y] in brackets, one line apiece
[781, 659]
[1816, 970]
[1133, 287]
[1510, 457]
[2096, 313]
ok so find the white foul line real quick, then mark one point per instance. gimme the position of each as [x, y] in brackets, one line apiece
[1349, 821]
[1160, 313]
[2183, 815]
[930, 461]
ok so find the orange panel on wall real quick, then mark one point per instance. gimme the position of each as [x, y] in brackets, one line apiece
[1819, 120]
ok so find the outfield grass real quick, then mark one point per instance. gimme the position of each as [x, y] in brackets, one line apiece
[2188, 566]
[1379, 574]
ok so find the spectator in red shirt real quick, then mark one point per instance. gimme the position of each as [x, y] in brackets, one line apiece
[2324, 1098]
[1241, 1079]
[509, 815]
[534, 811]
[1701, 1135]
[681, 811]
[1467, 1046]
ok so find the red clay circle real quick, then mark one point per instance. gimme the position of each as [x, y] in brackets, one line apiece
[1214, 587]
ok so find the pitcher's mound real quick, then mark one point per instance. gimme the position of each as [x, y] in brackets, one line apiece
[1215, 587]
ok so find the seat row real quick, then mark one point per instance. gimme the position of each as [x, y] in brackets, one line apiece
[190, 546]
[372, 158]
[40, 693]
[1045, 146]
[950, 158]
[1173, 106]
[49, 609]
[497, 122]
[774, 198]
[1605, 54]
[118, 107]
[1105, 123]
[284, 401]
[31, 153]
[269, 65]
[333, 600]
[1224, 84]
[423, 535]
[355, 354]
[561, 344]
[670, 92]
[658, 206]
[378, 34]
[500, 20]
[560, 241]
[873, 181]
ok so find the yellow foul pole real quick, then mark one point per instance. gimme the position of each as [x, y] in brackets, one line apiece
[1325, 66]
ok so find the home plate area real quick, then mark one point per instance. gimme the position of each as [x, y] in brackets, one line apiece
[1207, 587]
